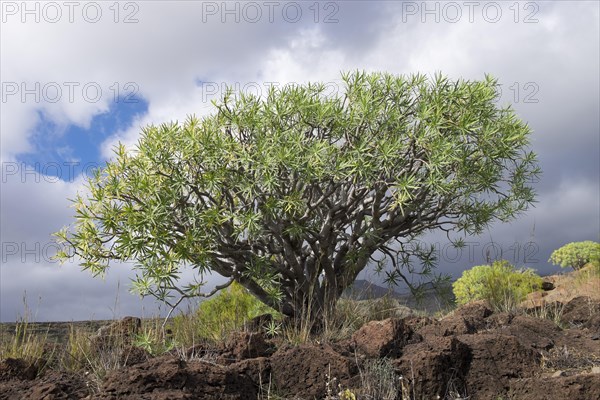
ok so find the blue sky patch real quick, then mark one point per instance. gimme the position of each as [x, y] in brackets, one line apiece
[67, 151]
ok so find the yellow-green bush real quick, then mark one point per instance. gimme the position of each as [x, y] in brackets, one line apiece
[228, 311]
[503, 286]
[576, 255]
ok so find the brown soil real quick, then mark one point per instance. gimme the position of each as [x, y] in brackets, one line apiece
[565, 287]
[472, 353]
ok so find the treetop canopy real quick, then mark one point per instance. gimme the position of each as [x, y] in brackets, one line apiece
[277, 191]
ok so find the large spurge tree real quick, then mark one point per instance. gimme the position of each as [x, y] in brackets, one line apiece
[294, 193]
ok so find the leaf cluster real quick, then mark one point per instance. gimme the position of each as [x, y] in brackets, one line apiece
[576, 254]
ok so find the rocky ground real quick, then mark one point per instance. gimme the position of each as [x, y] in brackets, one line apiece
[472, 353]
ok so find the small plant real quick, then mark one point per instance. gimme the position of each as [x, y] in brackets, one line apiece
[503, 286]
[184, 328]
[228, 311]
[76, 351]
[334, 390]
[153, 343]
[347, 394]
[27, 342]
[405, 389]
[379, 380]
[95, 362]
[24, 344]
[272, 328]
[576, 255]
[550, 311]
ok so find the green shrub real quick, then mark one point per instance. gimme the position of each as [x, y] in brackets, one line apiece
[503, 286]
[228, 311]
[576, 254]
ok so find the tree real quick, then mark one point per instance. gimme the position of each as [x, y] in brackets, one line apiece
[295, 193]
[576, 254]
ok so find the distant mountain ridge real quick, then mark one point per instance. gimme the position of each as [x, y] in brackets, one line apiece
[431, 300]
[362, 289]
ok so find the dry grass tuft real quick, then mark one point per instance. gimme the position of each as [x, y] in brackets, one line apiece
[565, 359]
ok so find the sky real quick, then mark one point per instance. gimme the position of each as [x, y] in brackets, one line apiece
[79, 77]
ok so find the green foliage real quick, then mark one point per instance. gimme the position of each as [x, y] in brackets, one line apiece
[503, 286]
[277, 191]
[272, 328]
[23, 344]
[153, 342]
[576, 254]
[227, 312]
[595, 266]
[347, 394]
